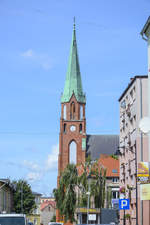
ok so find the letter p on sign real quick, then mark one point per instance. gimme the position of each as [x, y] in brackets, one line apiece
[124, 204]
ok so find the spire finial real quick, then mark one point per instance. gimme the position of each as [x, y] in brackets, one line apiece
[74, 23]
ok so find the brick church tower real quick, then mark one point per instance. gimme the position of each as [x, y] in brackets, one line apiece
[72, 137]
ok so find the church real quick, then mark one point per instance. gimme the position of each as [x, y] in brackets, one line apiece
[74, 143]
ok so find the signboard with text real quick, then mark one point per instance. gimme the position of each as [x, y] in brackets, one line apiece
[92, 217]
[145, 191]
[143, 172]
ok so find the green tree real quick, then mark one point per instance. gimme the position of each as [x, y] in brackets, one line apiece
[24, 200]
[53, 218]
[73, 189]
[83, 183]
[98, 185]
[65, 194]
[109, 197]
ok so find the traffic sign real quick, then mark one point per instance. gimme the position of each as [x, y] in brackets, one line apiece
[124, 204]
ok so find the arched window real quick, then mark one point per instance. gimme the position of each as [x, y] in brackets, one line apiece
[72, 111]
[73, 152]
[64, 116]
[80, 128]
[64, 127]
[81, 112]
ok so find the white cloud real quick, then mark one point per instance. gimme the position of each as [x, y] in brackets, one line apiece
[39, 58]
[31, 165]
[34, 176]
[51, 162]
[37, 172]
[28, 54]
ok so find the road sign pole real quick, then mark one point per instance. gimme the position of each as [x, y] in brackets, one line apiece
[124, 217]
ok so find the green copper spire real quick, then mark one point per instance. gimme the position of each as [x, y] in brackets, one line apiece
[73, 83]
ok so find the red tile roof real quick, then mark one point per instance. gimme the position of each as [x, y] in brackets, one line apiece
[111, 164]
[48, 203]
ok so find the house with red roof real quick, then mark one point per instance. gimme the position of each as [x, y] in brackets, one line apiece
[48, 211]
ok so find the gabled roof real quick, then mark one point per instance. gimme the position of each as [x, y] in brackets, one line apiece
[3, 180]
[48, 203]
[101, 144]
[73, 83]
[147, 24]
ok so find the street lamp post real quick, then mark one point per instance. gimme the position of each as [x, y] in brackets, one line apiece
[88, 202]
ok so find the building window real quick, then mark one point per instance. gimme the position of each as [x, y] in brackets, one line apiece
[65, 114]
[114, 194]
[123, 104]
[131, 93]
[72, 111]
[80, 128]
[115, 179]
[81, 112]
[64, 127]
[73, 153]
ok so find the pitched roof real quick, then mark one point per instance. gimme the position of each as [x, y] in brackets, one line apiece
[36, 193]
[132, 80]
[73, 83]
[101, 144]
[48, 203]
[143, 31]
[4, 180]
[111, 164]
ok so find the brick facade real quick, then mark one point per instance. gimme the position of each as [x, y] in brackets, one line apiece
[66, 136]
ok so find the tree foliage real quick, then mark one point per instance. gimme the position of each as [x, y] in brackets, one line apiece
[98, 185]
[109, 197]
[83, 183]
[65, 195]
[73, 189]
[53, 218]
[24, 200]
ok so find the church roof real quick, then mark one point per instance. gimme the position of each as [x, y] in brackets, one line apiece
[101, 144]
[73, 83]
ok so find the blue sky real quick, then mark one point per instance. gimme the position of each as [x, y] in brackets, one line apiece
[34, 49]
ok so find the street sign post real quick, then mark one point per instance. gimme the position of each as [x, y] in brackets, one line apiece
[124, 204]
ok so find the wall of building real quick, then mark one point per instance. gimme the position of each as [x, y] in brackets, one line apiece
[47, 214]
[133, 106]
[6, 199]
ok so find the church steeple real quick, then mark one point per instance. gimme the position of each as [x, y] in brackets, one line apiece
[73, 83]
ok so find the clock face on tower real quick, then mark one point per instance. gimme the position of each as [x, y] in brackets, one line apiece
[72, 128]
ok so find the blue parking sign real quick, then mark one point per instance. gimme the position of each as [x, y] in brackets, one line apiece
[124, 204]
